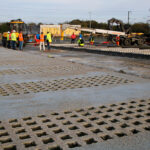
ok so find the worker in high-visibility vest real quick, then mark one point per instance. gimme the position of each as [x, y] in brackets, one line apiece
[13, 39]
[49, 40]
[118, 40]
[37, 39]
[8, 40]
[4, 39]
[91, 39]
[42, 44]
[81, 42]
[20, 41]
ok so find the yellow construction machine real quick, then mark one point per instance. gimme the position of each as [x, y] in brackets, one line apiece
[17, 25]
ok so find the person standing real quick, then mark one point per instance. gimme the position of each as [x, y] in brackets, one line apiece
[37, 39]
[42, 44]
[8, 40]
[13, 39]
[80, 36]
[81, 42]
[20, 41]
[49, 40]
[118, 40]
[91, 39]
[4, 39]
[73, 37]
[38, 36]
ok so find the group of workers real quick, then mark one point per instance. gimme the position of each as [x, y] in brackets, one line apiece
[11, 39]
[80, 41]
[40, 39]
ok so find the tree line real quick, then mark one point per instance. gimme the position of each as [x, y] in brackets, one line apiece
[136, 27]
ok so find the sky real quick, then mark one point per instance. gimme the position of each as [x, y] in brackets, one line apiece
[59, 11]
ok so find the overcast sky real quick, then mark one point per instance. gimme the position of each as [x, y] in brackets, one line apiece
[57, 11]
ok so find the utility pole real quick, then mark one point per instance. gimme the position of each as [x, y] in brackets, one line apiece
[129, 17]
[148, 22]
[90, 14]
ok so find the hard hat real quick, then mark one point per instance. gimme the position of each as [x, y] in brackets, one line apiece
[8, 32]
[14, 31]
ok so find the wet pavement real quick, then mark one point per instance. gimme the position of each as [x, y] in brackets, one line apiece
[133, 66]
[34, 83]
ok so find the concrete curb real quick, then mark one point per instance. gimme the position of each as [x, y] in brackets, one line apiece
[111, 53]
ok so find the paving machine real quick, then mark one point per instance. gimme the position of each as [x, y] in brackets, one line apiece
[17, 25]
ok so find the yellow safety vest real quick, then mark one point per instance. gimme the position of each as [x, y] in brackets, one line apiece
[49, 38]
[8, 37]
[79, 42]
[82, 44]
[13, 37]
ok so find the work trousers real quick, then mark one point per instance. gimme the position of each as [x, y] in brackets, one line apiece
[20, 45]
[14, 45]
[118, 43]
[42, 44]
[8, 44]
[48, 45]
[72, 41]
[4, 42]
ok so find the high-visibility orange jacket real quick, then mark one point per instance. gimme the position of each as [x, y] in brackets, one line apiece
[41, 37]
[117, 38]
[20, 37]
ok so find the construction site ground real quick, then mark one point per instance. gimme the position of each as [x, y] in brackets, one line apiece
[61, 99]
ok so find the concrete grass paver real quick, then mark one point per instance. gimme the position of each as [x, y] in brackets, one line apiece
[76, 128]
[38, 92]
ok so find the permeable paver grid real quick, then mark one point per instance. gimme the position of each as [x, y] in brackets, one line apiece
[71, 129]
[61, 84]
